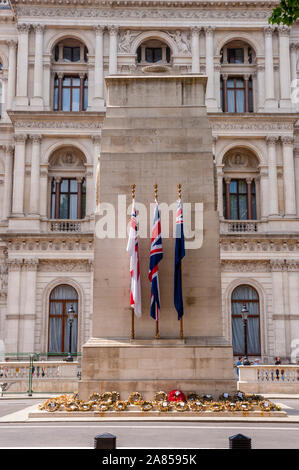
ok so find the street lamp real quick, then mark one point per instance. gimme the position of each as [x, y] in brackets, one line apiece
[70, 317]
[244, 314]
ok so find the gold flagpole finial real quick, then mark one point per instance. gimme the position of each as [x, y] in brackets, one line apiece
[133, 186]
[180, 191]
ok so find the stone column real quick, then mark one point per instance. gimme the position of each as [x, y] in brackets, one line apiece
[35, 175]
[261, 86]
[270, 101]
[90, 193]
[210, 91]
[37, 99]
[28, 305]
[195, 31]
[12, 72]
[293, 49]
[272, 171]
[284, 67]
[220, 190]
[99, 67]
[278, 307]
[96, 139]
[113, 30]
[264, 193]
[44, 191]
[289, 176]
[13, 305]
[4, 115]
[22, 65]
[19, 175]
[9, 153]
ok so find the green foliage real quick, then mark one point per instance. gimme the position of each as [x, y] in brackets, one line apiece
[287, 12]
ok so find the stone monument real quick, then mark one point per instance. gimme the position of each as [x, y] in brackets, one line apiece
[156, 131]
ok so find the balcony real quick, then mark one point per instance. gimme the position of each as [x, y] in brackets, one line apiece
[63, 225]
[239, 226]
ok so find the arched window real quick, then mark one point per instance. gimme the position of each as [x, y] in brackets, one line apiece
[69, 68]
[248, 295]
[238, 65]
[61, 299]
[153, 51]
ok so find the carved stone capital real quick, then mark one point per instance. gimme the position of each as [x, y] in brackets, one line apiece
[30, 264]
[113, 30]
[209, 30]
[14, 264]
[271, 139]
[287, 139]
[38, 28]
[20, 138]
[23, 28]
[12, 43]
[277, 265]
[268, 30]
[36, 138]
[99, 29]
[284, 30]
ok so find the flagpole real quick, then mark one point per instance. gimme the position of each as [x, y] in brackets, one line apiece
[133, 186]
[181, 319]
[157, 320]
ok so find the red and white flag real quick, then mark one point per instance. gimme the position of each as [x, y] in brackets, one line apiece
[132, 249]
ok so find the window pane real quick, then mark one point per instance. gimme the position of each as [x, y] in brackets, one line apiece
[73, 186]
[67, 54]
[253, 201]
[230, 101]
[55, 99]
[233, 185]
[233, 207]
[66, 81]
[64, 186]
[66, 99]
[244, 293]
[56, 53]
[149, 55]
[55, 335]
[240, 101]
[53, 198]
[243, 207]
[85, 99]
[76, 99]
[238, 336]
[239, 56]
[76, 54]
[242, 186]
[240, 83]
[157, 54]
[76, 81]
[73, 206]
[63, 207]
[83, 205]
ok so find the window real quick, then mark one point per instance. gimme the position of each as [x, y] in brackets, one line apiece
[239, 199]
[70, 93]
[235, 56]
[236, 95]
[153, 51]
[68, 199]
[61, 299]
[245, 294]
[66, 52]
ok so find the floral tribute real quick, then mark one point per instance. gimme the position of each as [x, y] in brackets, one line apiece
[176, 395]
[174, 401]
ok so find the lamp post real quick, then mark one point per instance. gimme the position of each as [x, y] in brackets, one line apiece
[70, 317]
[244, 314]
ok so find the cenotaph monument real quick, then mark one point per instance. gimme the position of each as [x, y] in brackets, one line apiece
[156, 131]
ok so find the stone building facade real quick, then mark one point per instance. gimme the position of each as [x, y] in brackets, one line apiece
[53, 60]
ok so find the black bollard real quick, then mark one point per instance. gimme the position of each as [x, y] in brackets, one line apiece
[105, 441]
[239, 442]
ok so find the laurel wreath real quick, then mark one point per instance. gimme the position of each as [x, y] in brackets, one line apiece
[160, 396]
[146, 405]
[181, 406]
[164, 405]
[121, 405]
[135, 398]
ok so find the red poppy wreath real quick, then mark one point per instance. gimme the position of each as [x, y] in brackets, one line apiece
[176, 395]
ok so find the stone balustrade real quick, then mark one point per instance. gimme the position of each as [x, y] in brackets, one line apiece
[47, 376]
[269, 379]
[238, 226]
[60, 225]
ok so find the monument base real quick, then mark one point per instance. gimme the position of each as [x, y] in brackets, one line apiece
[203, 366]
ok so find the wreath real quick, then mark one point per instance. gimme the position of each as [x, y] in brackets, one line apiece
[267, 406]
[115, 396]
[244, 406]
[164, 405]
[135, 398]
[103, 406]
[86, 405]
[231, 406]
[216, 406]
[176, 395]
[106, 397]
[181, 406]
[160, 396]
[208, 398]
[51, 405]
[193, 397]
[72, 405]
[94, 397]
[120, 405]
[196, 405]
[225, 397]
[146, 405]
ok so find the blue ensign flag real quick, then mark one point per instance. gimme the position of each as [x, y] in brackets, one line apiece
[179, 255]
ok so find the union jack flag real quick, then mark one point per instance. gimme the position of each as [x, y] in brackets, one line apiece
[132, 248]
[156, 255]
